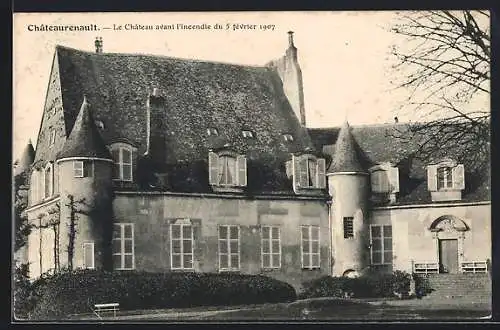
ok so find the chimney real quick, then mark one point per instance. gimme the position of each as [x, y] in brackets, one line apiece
[396, 120]
[155, 144]
[98, 44]
[291, 76]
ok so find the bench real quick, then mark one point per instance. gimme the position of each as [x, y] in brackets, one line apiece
[110, 307]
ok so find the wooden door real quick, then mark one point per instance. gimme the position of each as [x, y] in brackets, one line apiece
[448, 256]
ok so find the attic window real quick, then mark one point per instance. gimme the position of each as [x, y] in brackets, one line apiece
[52, 140]
[247, 134]
[212, 131]
[288, 137]
[99, 124]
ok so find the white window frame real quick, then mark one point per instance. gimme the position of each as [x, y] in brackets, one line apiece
[448, 174]
[182, 253]
[229, 253]
[247, 134]
[122, 240]
[121, 164]
[310, 245]
[78, 168]
[85, 256]
[383, 249]
[270, 241]
[235, 171]
[288, 137]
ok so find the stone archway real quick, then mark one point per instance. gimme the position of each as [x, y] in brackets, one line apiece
[448, 233]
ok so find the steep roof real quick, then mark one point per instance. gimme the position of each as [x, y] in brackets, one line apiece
[379, 144]
[27, 156]
[84, 140]
[198, 95]
[346, 157]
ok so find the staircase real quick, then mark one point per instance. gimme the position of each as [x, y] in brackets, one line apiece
[473, 287]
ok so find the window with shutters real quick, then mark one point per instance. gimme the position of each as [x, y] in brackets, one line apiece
[310, 247]
[446, 180]
[227, 169]
[123, 246]
[181, 246]
[229, 248]
[122, 156]
[308, 172]
[88, 255]
[381, 244]
[83, 168]
[271, 247]
[384, 179]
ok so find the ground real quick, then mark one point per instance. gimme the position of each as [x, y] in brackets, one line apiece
[321, 309]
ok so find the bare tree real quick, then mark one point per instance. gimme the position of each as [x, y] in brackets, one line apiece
[445, 65]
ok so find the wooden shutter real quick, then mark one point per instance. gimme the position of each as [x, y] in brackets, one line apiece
[320, 174]
[213, 168]
[303, 172]
[241, 163]
[296, 170]
[432, 178]
[394, 179]
[458, 177]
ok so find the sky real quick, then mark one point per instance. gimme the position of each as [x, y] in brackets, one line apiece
[344, 56]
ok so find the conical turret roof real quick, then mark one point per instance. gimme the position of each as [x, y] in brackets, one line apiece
[347, 157]
[85, 139]
[26, 159]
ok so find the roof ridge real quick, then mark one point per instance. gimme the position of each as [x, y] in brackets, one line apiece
[264, 66]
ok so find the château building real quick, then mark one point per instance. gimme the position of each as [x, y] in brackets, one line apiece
[163, 164]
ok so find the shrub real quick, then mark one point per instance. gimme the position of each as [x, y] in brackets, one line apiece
[422, 285]
[76, 291]
[370, 285]
[23, 299]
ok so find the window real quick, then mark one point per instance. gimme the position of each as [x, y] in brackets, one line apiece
[271, 247]
[444, 179]
[384, 178]
[229, 248]
[78, 169]
[308, 172]
[247, 134]
[88, 255]
[310, 247]
[381, 244]
[212, 132]
[348, 227]
[446, 176]
[52, 139]
[49, 182]
[122, 157]
[227, 170]
[99, 124]
[181, 246]
[83, 168]
[380, 181]
[123, 246]
[288, 137]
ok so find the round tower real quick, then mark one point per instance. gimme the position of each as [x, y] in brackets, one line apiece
[85, 185]
[348, 184]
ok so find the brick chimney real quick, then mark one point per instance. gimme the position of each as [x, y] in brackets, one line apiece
[291, 76]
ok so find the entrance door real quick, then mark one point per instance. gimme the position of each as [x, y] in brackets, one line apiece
[448, 255]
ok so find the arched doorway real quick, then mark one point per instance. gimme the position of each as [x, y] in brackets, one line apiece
[449, 235]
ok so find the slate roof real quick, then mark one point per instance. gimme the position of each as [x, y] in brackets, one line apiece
[84, 139]
[198, 95]
[378, 144]
[27, 157]
[347, 156]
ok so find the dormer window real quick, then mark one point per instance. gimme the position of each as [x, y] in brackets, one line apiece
[122, 157]
[445, 180]
[227, 169]
[247, 134]
[288, 137]
[308, 172]
[212, 131]
[384, 181]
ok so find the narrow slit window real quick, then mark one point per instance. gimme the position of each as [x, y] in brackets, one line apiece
[248, 134]
[348, 227]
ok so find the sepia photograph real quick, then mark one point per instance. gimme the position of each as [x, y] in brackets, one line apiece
[251, 166]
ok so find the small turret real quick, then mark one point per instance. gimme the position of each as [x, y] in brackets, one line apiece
[348, 186]
[85, 185]
[27, 158]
